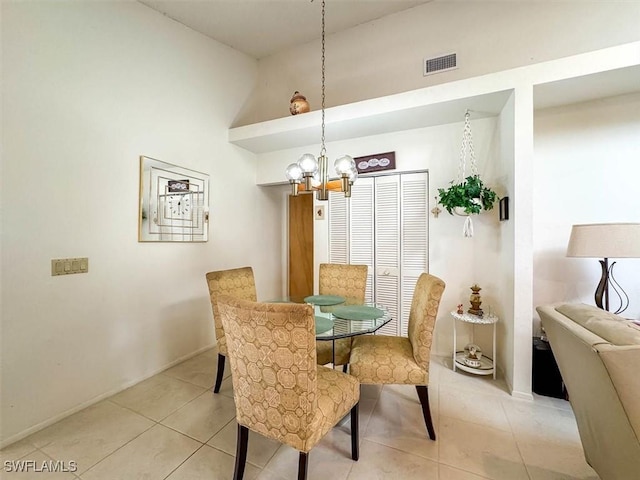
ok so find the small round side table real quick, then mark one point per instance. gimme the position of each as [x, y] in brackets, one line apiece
[487, 365]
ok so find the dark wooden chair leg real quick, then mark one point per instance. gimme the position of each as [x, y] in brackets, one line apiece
[221, 359]
[344, 367]
[241, 452]
[303, 463]
[423, 395]
[355, 441]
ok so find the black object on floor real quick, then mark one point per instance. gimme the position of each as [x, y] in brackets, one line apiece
[547, 380]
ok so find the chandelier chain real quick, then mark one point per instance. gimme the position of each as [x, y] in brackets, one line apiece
[322, 147]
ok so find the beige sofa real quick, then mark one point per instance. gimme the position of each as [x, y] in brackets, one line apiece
[598, 354]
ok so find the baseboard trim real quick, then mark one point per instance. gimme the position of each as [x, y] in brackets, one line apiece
[56, 418]
[521, 395]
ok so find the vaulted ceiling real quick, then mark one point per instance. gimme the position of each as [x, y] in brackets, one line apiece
[261, 28]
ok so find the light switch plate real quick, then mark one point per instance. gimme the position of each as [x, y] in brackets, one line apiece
[68, 266]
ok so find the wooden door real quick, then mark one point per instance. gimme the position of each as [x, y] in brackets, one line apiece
[301, 245]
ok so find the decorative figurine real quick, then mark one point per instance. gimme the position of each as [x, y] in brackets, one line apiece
[299, 104]
[436, 211]
[473, 351]
[475, 300]
[460, 311]
[472, 355]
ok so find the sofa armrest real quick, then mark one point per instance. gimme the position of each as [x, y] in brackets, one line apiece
[623, 365]
[595, 372]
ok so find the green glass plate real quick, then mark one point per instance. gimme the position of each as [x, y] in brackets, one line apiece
[323, 324]
[358, 312]
[324, 300]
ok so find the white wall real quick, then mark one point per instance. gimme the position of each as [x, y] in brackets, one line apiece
[452, 256]
[503, 266]
[587, 165]
[385, 56]
[506, 254]
[87, 88]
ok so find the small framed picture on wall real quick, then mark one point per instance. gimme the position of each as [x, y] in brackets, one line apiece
[376, 163]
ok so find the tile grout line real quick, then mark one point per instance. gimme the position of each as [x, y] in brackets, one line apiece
[119, 448]
[168, 414]
[197, 440]
[401, 451]
[484, 425]
[515, 440]
[131, 410]
[185, 460]
[398, 449]
[208, 387]
[182, 406]
[465, 470]
[373, 409]
[50, 457]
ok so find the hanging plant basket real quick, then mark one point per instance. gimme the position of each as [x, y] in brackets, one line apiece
[468, 196]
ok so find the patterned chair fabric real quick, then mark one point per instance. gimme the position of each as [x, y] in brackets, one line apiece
[381, 359]
[239, 283]
[279, 390]
[349, 281]
[324, 349]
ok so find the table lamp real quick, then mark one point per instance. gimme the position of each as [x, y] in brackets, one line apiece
[606, 240]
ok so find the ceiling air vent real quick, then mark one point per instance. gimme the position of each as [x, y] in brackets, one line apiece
[439, 64]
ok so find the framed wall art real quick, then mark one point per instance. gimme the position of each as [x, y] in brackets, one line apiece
[376, 163]
[174, 203]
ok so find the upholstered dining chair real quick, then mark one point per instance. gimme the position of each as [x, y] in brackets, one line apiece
[383, 359]
[350, 282]
[279, 390]
[239, 283]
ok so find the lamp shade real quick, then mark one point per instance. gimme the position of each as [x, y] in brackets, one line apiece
[605, 240]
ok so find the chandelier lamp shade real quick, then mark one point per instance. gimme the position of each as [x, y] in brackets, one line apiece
[308, 173]
[605, 241]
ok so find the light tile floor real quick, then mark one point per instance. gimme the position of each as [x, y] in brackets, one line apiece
[173, 427]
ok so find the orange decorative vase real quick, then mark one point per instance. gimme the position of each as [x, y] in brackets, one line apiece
[298, 104]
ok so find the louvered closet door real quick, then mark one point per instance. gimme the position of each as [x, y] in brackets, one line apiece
[338, 228]
[361, 247]
[414, 239]
[387, 248]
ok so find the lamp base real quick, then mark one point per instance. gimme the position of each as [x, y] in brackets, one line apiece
[602, 291]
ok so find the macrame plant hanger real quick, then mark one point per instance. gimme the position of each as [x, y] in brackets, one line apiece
[467, 146]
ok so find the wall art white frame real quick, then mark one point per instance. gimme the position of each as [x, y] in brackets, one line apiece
[174, 203]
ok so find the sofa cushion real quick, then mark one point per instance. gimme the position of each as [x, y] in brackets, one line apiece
[612, 328]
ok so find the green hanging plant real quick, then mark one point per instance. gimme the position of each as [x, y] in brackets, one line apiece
[470, 196]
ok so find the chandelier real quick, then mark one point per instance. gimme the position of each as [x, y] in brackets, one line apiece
[309, 173]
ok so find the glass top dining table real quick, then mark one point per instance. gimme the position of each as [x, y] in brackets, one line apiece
[341, 320]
